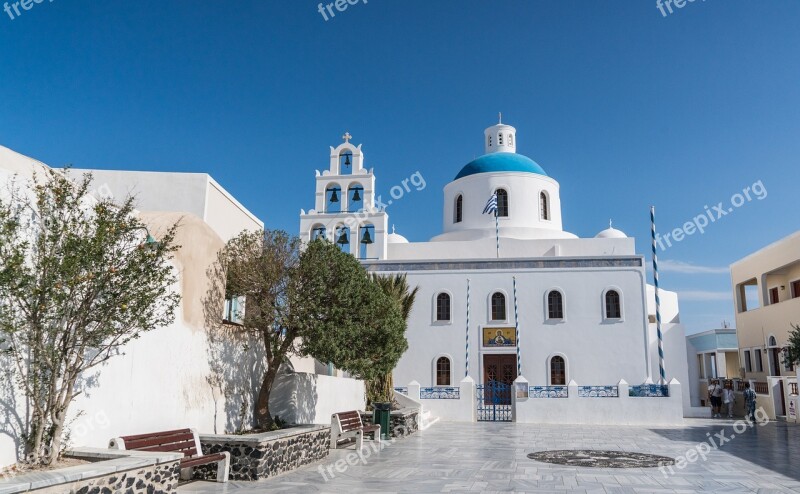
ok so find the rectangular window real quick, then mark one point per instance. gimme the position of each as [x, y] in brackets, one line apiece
[759, 363]
[234, 310]
[796, 289]
[773, 295]
[748, 365]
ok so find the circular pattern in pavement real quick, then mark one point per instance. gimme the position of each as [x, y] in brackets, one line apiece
[601, 459]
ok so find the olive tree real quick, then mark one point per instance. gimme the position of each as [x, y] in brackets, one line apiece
[80, 277]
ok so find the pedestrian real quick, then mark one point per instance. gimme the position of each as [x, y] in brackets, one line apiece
[749, 403]
[715, 396]
[728, 398]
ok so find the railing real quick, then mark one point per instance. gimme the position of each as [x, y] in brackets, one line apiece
[793, 389]
[739, 385]
[649, 391]
[402, 390]
[598, 392]
[549, 392]
[440, 393]
[761, 388]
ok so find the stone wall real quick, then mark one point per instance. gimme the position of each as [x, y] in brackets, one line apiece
[157, 479]
[403, 422]
[260, 456]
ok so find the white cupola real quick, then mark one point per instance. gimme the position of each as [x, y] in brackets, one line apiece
[500, 138]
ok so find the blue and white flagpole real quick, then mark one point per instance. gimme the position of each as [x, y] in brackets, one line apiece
[466, 371]
[491, 207]
[663, 379]
[516, 328]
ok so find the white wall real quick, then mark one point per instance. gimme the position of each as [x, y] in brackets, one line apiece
[303, 398]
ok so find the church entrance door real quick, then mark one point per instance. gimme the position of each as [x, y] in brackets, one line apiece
[494, 394]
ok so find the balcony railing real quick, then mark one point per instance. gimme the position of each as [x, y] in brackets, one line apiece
[649, 391]
[761, 388]
[598, 392]
[440, 393]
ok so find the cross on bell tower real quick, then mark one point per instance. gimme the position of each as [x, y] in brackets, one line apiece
[347, 137]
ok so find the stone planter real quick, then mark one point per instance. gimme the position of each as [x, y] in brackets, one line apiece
[260, 456]
[403, 422]
[110, 471]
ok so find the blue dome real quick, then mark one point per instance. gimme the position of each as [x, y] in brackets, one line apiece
[501, 162]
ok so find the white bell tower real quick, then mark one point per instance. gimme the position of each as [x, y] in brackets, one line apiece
[344, 206]
[500, 138]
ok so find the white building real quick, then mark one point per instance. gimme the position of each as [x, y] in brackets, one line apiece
[584, 312]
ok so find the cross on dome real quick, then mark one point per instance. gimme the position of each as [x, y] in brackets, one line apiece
[347, 137]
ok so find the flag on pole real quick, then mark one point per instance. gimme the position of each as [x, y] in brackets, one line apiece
[491, 206]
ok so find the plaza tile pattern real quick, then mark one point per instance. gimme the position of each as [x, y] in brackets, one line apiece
[492, 457]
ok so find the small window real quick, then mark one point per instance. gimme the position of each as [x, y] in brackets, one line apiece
[459, 209]
[558, 371]
[234, 310]
[796, 289]
[555, 305]
[545, 213]
[759, 362]
[773, 295]
[613, 306]
[502, 203]
[443, 371]
[498, 307]
[443, 307]
[510, 139]
[748, 365]
[499, 139]
[490, 141]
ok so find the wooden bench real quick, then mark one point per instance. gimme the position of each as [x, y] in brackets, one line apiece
[348, 426]
[184, 441]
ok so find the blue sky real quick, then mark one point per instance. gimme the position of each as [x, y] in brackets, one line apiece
[623, 106]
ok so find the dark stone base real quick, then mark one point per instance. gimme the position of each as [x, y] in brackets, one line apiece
[260, 457]
[401, 422]
[158, 479]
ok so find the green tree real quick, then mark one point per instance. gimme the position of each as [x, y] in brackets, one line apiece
[349, 320]
[318, 302]
[381, 388]
[79, 279]
[793, 349]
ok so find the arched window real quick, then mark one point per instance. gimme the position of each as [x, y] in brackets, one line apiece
[772, 341]
[355, 198]
[498, 307]
[499, 139]
[342, 238]
[613, 305]
[510, 139]
[545, 213]
[490, 141]
[443, 307]
[366, 242]
[502, 202]
[555, 305]
[459, 209]
[558, 371]
[318, 231]
[443, 371]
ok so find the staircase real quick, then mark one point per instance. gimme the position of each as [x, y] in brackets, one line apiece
[425, 419]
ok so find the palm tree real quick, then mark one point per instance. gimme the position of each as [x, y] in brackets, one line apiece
[381, 388]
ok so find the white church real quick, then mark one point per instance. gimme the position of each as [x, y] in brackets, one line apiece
[509, 294]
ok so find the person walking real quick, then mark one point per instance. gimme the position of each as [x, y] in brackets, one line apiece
[728, 398]
[749, 403]
[715, 396]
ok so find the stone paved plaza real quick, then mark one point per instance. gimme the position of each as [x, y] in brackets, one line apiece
[492, 457]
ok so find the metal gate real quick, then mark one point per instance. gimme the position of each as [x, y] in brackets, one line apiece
[494, 402]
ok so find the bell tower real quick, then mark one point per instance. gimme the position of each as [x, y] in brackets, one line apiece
[344, 206]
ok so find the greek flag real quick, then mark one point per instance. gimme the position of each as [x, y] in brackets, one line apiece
[491, 206]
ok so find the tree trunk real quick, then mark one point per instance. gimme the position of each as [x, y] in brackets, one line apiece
[263, 417]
